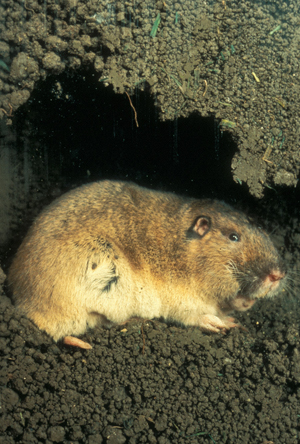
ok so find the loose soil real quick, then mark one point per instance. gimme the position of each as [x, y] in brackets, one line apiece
[154, 383]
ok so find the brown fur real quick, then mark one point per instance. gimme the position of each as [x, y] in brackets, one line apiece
[114, 250]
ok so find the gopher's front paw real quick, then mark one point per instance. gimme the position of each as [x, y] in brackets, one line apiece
[214, 324]
[242, 303]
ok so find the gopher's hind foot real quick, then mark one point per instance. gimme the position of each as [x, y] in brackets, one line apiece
[75, 342]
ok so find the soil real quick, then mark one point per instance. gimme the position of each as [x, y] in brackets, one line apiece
[153, 383]
[237, 61]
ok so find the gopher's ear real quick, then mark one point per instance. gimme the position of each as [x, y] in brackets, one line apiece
[202, 225]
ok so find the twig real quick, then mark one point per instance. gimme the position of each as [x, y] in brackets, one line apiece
[10, 114]
[135, 114]
[267, 153]
[205, 89]
[28, 9]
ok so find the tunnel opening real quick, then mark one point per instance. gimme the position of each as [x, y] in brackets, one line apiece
[83, 131]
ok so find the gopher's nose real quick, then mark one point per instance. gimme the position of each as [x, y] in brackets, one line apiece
[275, 275]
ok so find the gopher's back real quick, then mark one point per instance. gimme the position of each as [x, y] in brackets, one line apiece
[131, 217]
[122, 212]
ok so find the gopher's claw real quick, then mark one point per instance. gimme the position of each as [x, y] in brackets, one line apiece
[214, 324]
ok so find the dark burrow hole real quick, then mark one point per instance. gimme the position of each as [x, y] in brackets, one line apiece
[84, 132]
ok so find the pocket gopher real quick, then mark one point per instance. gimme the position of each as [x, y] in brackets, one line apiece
[110, 251]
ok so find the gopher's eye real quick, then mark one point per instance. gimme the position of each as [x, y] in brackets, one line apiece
[234, 237]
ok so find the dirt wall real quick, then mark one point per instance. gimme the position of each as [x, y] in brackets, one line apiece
[237, 61]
